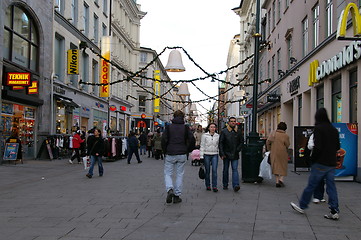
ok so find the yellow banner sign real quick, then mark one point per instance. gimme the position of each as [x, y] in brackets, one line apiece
[73, 61]
[157, 91]
[18, 79]
[312, 74]
[105, 68]
[33, 89]
[356, 22]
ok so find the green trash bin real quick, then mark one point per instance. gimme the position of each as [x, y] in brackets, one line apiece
[251, 160]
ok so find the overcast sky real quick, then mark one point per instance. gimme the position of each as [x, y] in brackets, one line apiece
[204, 28]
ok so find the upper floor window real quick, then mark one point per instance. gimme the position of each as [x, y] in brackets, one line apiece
[287, 3]
[96, 28]
[86, 19]
[289, 50]
[59, 6]
[329, 17]
[105, 30]
[105, 6]
[21, 40]
[269, 22]
[316, 25]
[74, 11]
[279, 60]
[279, 10]
[273, 14]
[305, 37]
[141, 103]
[143, 57]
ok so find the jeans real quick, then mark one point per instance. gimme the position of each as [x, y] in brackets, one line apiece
[208, 161]
[143, 149]
[319, 173]
[319, 190]
[235, 176]
[132, 150]
[93, 159]
[177, 162]
[76, 155]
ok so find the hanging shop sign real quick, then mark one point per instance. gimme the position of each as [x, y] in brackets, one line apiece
[105, 68]
[123, 108]
[143, 116]
[342, 23]
[18, 87]
[112, 108]
[18, 79]
[348, 54]
[273, 98]
[33, 89]
[156, 91]
[99, 105]
[73, 61]
[294, 85]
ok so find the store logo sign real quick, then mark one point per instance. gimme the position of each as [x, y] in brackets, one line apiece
[342, 23]
[18, 79]
[343, 58]
[33, 89]
[105, 68]
[73, 61]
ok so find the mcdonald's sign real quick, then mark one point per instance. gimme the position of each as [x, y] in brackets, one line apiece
[356, 23]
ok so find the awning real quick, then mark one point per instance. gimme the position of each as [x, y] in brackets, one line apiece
[66, 101]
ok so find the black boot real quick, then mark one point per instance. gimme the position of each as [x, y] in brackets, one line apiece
[177, 199]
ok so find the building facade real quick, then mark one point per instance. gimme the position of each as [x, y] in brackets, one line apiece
[25, 68]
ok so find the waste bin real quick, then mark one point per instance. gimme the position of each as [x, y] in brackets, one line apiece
[251, 160]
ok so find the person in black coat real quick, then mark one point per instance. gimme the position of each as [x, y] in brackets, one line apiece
[95, 150]
[133, 145]
[324, 162]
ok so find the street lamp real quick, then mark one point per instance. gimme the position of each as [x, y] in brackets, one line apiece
[252, 153]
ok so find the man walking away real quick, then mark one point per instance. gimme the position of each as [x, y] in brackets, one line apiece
[143, 143]
[230, 144]
[177, 139]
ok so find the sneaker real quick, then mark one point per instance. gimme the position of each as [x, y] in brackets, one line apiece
[70, 161]
[297, 208]
[140, 161]
[170, 196]
[236, 188]
[208, 188]
[89, 176]
[332, 216]
[177, 199]
[215, 189]
[225, 188]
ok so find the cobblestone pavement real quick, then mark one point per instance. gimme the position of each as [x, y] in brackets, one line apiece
[128, 202]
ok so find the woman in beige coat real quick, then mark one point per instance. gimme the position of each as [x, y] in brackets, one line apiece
[278, 143]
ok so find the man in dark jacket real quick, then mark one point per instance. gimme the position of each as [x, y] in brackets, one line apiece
[175, 144]
[143, 143]
[133, 144]
[230, 144]
[326, 145]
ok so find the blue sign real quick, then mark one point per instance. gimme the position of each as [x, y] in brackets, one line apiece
[11, 151]
[348, 153]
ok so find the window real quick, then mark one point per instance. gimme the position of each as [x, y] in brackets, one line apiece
[59, 6]
[316, 25]
[59, 51]
[141, 103]
[287, 3]
[305, 37]
[353, 96]
[96, 3]
[96, 28]
[329, 17]
[143, 57]
[279, 10]
[269, 70]
[85, 71]
[95, 77]
[273, 14]
[105, 30]
[299, 110]
[289, 51]
[273, 67]
[320, 103]
[269, 22]
[74, 12]
[86, 19]
[336, 100]
[143, 80]
[105, 7]
[279, 60]
[21, 40]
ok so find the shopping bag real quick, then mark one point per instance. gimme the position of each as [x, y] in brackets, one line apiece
[86, 162]
[201, 172]
[265, 168]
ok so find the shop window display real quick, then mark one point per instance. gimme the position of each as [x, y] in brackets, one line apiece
[22, 118]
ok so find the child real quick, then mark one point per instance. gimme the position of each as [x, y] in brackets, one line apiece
[196, 157]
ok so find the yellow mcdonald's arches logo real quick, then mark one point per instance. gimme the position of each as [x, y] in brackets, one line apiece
[356, 22]
[312, 74]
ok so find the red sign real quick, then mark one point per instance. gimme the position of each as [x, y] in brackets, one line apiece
[18, 87]
[18, 79]
[112, 108]
[156, 123]
[123, 108]
[143, 116]
[33, 89]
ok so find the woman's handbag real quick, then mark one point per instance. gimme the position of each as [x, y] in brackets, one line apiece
[201, 172]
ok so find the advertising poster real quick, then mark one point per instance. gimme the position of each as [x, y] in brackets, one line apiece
[347, 165]
[302, 155]
[11, 151]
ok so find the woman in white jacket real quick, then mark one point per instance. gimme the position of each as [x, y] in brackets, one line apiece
[209, 152]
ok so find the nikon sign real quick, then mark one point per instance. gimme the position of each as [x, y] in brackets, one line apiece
[348, 54]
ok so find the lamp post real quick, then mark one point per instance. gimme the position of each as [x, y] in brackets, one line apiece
[252, 153]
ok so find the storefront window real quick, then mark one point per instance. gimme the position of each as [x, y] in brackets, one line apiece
[336, 100]
[353, 96]
[320, 97]
[100, 120]
[22, 118]
[21, 38]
